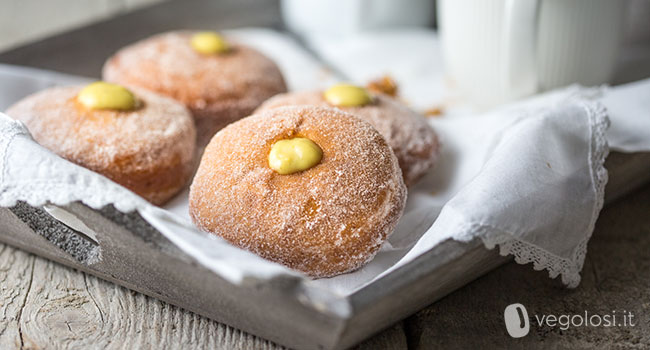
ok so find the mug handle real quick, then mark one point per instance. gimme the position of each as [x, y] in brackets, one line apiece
[519, 46]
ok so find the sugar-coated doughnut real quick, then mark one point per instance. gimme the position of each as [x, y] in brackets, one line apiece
[149, 149]
[326, 220]
[218, 88]
[413, 140]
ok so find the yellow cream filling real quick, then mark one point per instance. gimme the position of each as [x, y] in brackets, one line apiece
[103, 95]
[209, 43]
[347, 95]
[294, 155]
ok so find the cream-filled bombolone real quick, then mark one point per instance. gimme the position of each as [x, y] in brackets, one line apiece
[218, 80]
[141, 140]
[313, 188]
[413, 140]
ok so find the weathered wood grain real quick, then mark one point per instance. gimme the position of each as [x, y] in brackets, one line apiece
[16, 269]
[45, 305]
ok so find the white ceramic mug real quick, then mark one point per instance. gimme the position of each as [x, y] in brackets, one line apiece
[500, 50]
[343, 17]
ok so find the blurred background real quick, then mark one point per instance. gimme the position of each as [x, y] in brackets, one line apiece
[491, 51]
[24, 21]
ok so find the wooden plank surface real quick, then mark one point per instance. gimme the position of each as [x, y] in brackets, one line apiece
[46, 305]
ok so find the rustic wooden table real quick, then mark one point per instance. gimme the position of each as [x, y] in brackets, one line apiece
[45, 305]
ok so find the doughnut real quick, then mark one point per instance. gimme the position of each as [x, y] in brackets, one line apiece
[327, 212]
[141, 140]
[219, 81]
[413, 140]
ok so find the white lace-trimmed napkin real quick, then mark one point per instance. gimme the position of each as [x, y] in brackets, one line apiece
[412, 57]
[528, 178]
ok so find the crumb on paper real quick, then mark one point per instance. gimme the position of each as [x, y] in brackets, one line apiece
[435, 111]
[384, 85]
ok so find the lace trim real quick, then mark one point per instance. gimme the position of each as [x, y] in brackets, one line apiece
[525, 252]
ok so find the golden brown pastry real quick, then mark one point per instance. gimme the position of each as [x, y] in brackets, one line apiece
[136, 138]
[218, 80]
[413, 140]
[313, 188]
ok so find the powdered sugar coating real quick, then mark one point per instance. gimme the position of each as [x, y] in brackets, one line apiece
[218, 89]
[149, 150]
[327, 220]
[413, 140]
